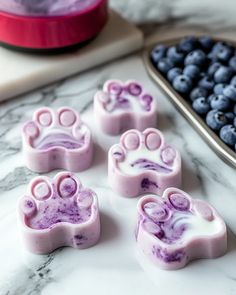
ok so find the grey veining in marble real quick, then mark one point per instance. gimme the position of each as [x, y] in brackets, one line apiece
[207, 13]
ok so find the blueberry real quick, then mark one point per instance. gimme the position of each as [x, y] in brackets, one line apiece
[198, 92]
[202, 75]
[201, 105]
[158, 52]
[230, 116]
[164, 65]
[216, 119]
[206, 42]
[196, 57]
[217, 49]
[212, 57]
[192, 71]
[234, 109]
[233, 81]
[175, 55]
[221, 44]
[220, 103]
[172, 73]
[182, 84]
[232, 63]
[230, 92]
[206, 83]
[188, 44]
[224, 53]
[223, 74]
[210, 97]
[213, 68]
[219, 88]
[228, 134]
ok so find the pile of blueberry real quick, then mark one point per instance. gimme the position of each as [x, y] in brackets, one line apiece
[203, 71]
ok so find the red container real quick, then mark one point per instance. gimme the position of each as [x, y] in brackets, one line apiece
[39, 27]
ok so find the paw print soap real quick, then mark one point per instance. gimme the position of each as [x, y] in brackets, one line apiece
[122, 106]
[174, 229]
[58, 212]
[143, 163]
[57, 139]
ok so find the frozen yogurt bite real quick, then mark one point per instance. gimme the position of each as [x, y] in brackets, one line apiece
[58, 212]
[142, 162]
[57, 139]
[121, 106]
[175, 229]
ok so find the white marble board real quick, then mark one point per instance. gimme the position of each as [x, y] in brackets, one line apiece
[21, 72]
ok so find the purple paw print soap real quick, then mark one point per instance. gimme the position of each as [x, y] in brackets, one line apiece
[57, 139]
[58, 213]
[174, 229]
[143, 163]
[122, 106]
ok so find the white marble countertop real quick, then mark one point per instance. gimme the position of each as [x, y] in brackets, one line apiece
[113, 266]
